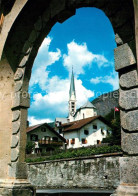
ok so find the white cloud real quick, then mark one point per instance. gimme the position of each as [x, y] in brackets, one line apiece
[55, 103]
[111, 79]
[42, 61]
[33, 121]
[79, 56]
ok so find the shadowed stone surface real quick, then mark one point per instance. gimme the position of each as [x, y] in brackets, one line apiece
[129, 142]
[128, 80]
[128, 99]
[125, 55]
[129, 120]
[129, 170]
[97, 173]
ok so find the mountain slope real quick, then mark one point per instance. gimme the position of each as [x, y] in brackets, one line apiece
[106, 102]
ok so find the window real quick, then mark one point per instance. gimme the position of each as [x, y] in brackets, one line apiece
[83, 115]
[84, 141]
[60, 130]
[73, 141]
[98, 142]
[102, 130]
[55, 139]
[67, 141]
[47, 138]
[108, 132]
[43, 129]
[34, 137]
[86, 132]
[94, 126]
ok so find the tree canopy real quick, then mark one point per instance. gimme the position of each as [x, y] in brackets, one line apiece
[114, 137]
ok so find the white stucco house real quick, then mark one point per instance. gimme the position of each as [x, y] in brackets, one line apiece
[45, 138]
[85, 132]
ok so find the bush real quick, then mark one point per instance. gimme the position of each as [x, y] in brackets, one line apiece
[30, 147]
[114, 138]
[80, 152]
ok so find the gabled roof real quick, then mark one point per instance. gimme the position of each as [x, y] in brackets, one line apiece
[88, 104]
[81, 123]
[32, 128]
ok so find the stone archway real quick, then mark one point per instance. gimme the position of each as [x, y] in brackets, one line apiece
[29, 27]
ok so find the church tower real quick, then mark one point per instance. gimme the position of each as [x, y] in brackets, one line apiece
[72, 98]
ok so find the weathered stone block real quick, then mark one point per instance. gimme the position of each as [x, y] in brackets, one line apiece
[118, 40]
[125, 55]
[32, 36]
[129, 79]
[38, 24]
[19, 74]
[16, 188]
[65, 15]
[15, 115]
[14, 154]
[129, 170]
[18, 85]
[46, 16]
[18, 170]
[21, 99]
[15, 127]
[129, 142]
[15, 141]
[127, 190]
[128, 99]
[56, 8]
[129, 120]
[25, 58]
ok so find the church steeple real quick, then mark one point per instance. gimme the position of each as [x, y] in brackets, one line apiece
[72, 87]
[72, 97]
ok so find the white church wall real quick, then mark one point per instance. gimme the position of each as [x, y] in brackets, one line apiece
[85, 113]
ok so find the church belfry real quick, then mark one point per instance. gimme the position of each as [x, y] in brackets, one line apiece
[72, 97]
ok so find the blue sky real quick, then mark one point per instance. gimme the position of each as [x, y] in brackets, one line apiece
[85, 41]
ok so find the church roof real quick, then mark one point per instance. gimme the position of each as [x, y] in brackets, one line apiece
[88, 105]
[72, 86]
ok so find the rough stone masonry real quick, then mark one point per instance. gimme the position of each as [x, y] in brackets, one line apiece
[25, 24]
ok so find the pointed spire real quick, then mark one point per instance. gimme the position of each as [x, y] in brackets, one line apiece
[72, 85]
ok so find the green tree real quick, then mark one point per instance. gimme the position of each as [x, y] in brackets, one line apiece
[114, 137]
[30, 147]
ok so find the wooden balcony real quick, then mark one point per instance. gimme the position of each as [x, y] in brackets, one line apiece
[50, 142]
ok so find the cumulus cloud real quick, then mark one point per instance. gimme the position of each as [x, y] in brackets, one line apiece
[111, 79]
[44, 59]
[55, 102]
[34, 121]
[79, 56]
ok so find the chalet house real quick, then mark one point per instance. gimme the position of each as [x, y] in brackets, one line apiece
[45, 138]
[85, 132]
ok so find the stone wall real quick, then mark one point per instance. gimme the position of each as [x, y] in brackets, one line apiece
[96, 172]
